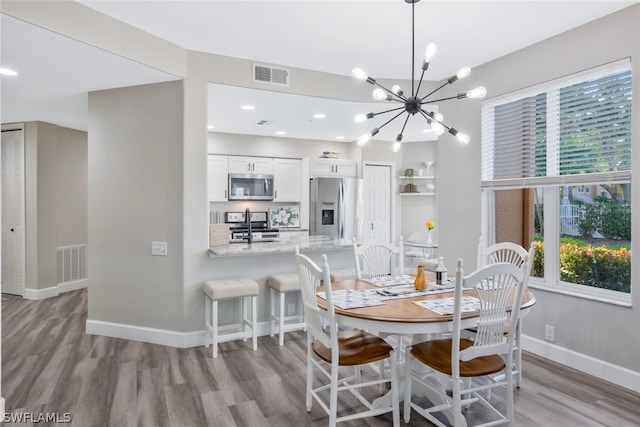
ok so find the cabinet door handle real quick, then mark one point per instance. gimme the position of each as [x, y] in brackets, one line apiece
[372, 226]
[275, 195]
[225, 194]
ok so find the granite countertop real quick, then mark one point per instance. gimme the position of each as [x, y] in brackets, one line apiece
[281, 245]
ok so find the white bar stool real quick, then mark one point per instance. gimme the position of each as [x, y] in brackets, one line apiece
[340, 275]
[279, 286]
[241, 289]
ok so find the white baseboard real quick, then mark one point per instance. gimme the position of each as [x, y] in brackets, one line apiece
[53, 291]
[615, 374]
[36, 294]
[72, 286]
[155, 336]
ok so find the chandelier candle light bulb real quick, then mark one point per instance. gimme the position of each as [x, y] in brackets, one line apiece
[414, 103]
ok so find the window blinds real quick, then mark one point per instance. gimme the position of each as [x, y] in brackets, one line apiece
[565, 133]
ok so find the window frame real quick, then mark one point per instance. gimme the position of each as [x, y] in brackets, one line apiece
[551, 186]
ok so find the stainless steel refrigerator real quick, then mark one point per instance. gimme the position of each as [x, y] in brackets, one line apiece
[335, 207]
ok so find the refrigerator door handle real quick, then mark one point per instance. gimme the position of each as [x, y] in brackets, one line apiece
[341, 211]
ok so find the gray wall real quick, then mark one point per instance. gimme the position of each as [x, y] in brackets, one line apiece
[603, 331]
[55, 197]
[71, 180]
[135, 193]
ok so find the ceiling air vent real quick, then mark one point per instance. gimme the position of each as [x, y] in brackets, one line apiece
[266, 74]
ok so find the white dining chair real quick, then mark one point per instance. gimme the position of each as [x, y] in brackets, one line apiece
[517, 255]
[413, 255]
[375, 259]
[329, 348]
[464, 360]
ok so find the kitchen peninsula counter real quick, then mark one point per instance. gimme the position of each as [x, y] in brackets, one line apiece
[281, 245]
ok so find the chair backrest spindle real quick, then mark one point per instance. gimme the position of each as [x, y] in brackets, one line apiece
[311, 277]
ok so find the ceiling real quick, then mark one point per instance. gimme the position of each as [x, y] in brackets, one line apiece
[331, 36]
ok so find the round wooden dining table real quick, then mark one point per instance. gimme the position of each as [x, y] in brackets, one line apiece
[401, 316]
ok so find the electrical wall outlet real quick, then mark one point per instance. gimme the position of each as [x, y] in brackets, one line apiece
[549, 333]
[159, 248]
[291, 309]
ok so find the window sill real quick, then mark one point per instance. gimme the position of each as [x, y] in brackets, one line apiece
[584, 292]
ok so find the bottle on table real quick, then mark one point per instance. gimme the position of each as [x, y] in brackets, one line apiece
[441, 272]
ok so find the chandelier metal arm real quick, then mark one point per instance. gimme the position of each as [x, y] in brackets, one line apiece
[434, 91]
[402, 130]
[388, 111]
[458, 96]
[401, 98]
[419, 84]
[413, 47]
[431, 118]
[390, 120]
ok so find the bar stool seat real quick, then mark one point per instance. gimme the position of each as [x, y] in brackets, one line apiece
[243, 290]
[279, 286]
[345, 274]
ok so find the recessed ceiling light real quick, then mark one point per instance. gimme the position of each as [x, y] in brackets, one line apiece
[319, 116]
[8, 72]
[210, 127]
[281, 132]
[339, 137]
[248, 107]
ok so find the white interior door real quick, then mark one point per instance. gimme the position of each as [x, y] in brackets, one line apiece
[13, 212]
[377, 203]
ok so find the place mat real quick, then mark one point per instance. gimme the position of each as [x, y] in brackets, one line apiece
[399, 280]
[409, 291]
[351, 298]
[444, 306]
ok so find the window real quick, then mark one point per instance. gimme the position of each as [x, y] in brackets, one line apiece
[556, 168]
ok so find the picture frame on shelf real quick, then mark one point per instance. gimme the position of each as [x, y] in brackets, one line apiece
[284, 216]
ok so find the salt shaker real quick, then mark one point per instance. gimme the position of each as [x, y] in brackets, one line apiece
[441, 272]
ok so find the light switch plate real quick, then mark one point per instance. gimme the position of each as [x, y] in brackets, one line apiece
[159, 248]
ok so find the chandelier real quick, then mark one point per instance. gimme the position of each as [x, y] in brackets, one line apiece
[415, 103]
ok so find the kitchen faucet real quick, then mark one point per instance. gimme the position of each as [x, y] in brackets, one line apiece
[247, 220]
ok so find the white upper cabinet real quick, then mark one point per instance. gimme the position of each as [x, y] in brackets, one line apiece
[251, 165]
[217, 178]
[332, 167]
[287, 180]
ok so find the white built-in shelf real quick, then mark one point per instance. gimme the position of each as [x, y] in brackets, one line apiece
[416, 194]
[418, 177]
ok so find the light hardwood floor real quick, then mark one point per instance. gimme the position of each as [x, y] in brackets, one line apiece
[50, 365]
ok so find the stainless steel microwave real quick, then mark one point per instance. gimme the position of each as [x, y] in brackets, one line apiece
[250, 187]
